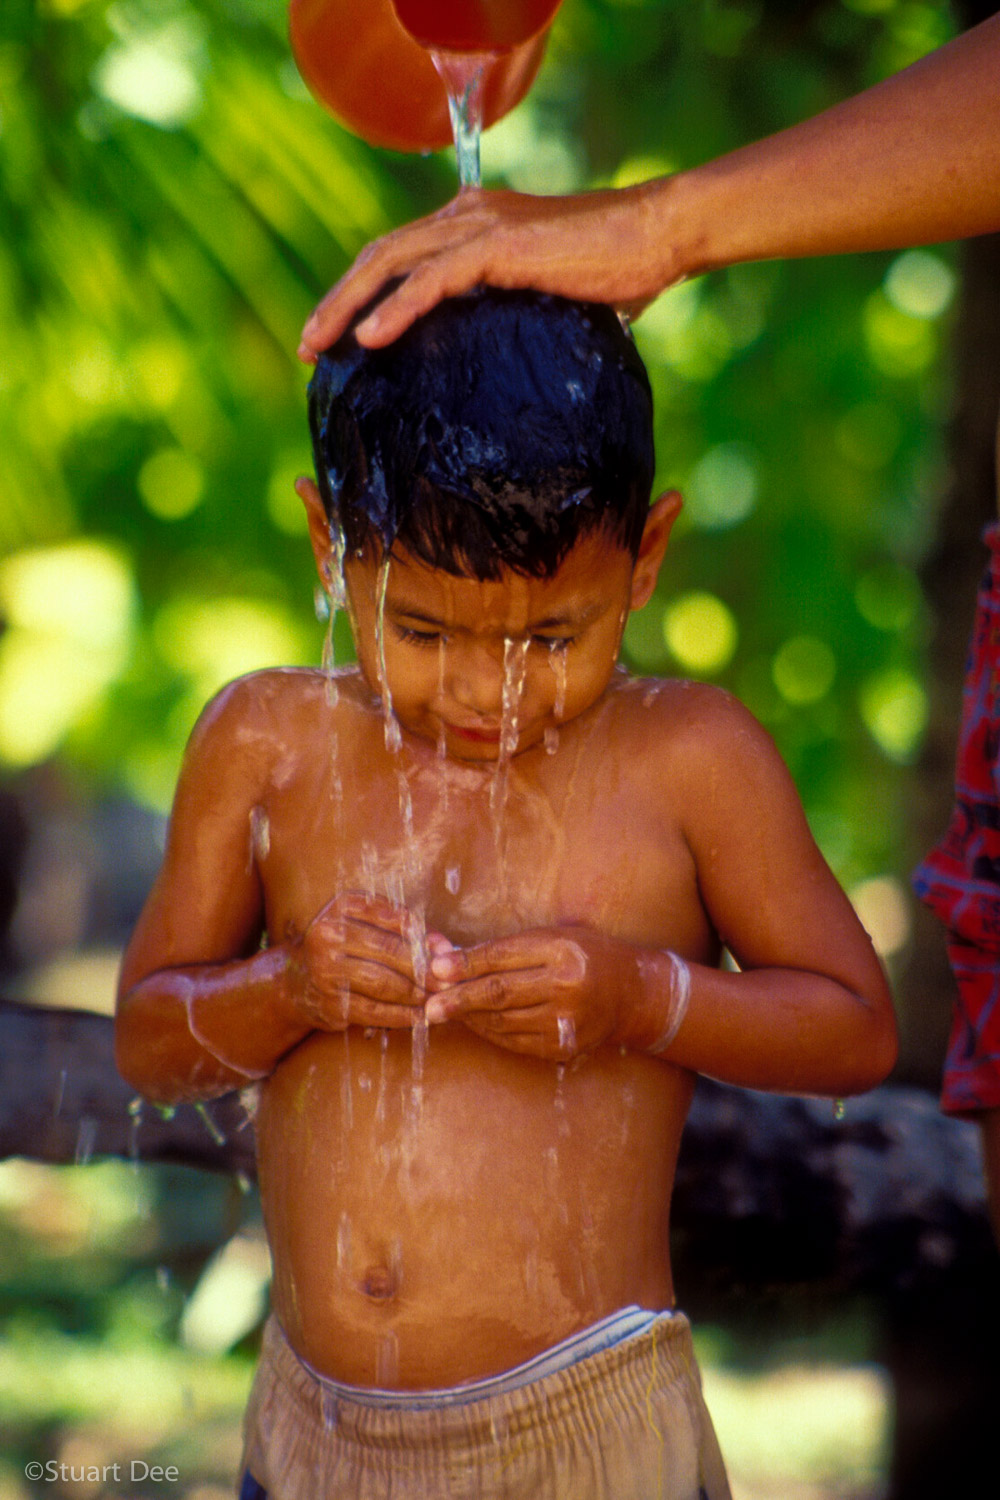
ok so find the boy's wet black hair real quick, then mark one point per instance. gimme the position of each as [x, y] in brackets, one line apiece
[493, 434]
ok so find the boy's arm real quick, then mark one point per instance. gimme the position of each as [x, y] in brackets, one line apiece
[810, 1012]
[913, 160]
[202, 1008]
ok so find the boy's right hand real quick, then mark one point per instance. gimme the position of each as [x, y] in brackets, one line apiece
[360, 962]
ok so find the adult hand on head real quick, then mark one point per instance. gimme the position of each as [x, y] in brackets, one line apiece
[607, 246]
[361, 962]
[912, 160]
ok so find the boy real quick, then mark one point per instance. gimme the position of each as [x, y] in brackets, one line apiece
[495, 876]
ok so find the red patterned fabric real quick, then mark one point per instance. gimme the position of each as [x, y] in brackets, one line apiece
[960, 878]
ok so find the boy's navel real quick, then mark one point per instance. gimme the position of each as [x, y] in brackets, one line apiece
[380, 1283]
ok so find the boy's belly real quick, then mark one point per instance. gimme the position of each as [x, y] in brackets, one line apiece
[438, 1219]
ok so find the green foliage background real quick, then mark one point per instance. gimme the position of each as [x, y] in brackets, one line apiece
[172, 204]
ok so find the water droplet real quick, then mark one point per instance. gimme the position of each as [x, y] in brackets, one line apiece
[218, 1136]
[328, 1406]
[515, 664]
[321, 604]
[551, 740]
[369, 868]
[557, 661]
[135, 1121]
[393, 734]
[387, 1360]
[464, 76]
[86, 1137]
[343, 1240]
[260, 834]
[346, 1102]
[249, 1100]
[418, 1048]
[453, 878]
[567, 1034]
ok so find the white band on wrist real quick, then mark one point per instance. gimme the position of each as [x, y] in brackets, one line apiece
[679, 998]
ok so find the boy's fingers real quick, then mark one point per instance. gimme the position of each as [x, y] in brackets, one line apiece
[373, 1013]
[375, 981]
[523, 1038]
[522, 950]
[375, 911]
[361, 904]
[496, 992]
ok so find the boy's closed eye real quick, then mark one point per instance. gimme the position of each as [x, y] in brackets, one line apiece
[415, 637]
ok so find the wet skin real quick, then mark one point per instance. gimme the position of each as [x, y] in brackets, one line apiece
[445, 1200]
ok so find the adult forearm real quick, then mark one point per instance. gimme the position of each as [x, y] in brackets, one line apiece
[203, 1030]
[913, 160]
[775, 1029]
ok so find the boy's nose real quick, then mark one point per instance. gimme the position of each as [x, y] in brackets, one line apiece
[474, 678]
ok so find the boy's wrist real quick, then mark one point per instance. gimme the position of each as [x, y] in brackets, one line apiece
[664, 985]
[251, 1040]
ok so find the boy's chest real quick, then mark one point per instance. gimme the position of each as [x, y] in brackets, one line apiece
[480, 853]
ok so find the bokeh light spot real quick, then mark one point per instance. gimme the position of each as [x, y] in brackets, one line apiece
[898, 343]
[868, 435]
[894, 708]
[722, 488]
[883, 910]
[215, 640]
[888, 596]
[920, 284]
[700, 632]
[803, 670]
[69, 613]
[171, 484]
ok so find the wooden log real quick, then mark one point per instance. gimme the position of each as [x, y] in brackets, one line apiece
[63, 1100]
[770, 1191]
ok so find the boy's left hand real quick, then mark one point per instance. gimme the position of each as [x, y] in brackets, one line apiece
[550, 992]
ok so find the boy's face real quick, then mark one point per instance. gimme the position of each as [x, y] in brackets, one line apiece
[448, 642]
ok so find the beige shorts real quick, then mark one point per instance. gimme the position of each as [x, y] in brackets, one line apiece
[626, 1423]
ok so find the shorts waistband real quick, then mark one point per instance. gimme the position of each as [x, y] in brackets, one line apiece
[605, 1334]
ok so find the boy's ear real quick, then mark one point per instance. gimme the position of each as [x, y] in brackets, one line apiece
[655, 536]
[319, 524]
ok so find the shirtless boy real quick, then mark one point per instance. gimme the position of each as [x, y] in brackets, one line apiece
[460, 910]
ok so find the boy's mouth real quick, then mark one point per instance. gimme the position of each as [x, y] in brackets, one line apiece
[485, 735]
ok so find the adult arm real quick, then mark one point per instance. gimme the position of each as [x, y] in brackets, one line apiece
[913, 160]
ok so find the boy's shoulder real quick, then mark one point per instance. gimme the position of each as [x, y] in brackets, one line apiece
[270, 711]
[686, 741]
[679, 714]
